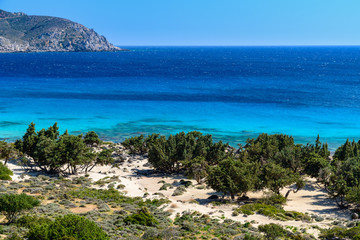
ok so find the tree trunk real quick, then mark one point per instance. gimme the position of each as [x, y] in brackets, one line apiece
[287, 194]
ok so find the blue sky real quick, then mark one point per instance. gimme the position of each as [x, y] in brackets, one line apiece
[208, 22]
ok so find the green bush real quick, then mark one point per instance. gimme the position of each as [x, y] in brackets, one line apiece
[135, 144]
[275, 212]
[341, 233]
[68, 227]
[92, 138]
[11, 205]
[29, 221]
[142, 217]
[273, 199]
[272, 231]
[5, 172]
[14, 236]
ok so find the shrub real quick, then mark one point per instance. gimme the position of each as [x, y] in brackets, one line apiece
[14, 236]
[273, 199]
[341, 233]
[5, 172]
[91, 138]
[272, 231]
[180, 190]
[105, 195]
[165, 186]
[135, 144]
[29, 221]
[11, 205]
[142, 217]
[275, 212]
[68, 227]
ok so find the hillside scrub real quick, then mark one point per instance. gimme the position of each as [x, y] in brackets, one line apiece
[68, 227]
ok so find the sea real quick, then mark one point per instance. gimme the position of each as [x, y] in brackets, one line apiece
[233, 93]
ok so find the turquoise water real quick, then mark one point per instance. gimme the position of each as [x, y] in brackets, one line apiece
[231, 92]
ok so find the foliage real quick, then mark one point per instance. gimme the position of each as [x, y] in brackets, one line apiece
[29, 221]
[72, 151]
[341, 176]
[345, 178]
[231, 177]
[7, 151]
[347, 150]
[135, 144]
[54, 153]
[275, 177]
[314, 163]
[341, 233]
[5, 172]
[11, 205]
[273, 199]
[174, 153]
[275, 212]
[14, 236]
[196, 168]
[272, 230]
[140, 144]
[265, 147]
[142, 217]
[194, 225]
[91, 138]
[68, 227]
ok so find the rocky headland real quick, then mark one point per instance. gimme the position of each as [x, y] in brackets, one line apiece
[24, 33]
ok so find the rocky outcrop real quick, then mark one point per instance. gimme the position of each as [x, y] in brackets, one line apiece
[23, 33]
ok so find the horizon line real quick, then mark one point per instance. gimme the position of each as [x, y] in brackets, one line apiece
[125, 45]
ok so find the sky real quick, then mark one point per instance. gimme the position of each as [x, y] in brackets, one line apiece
[208, 22]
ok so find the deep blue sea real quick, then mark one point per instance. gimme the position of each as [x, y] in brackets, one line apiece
[231, 92]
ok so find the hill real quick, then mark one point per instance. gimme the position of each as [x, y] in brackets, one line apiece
[24, 33]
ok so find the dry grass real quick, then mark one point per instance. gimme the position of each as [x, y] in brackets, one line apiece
[174, 205]
[87, 208]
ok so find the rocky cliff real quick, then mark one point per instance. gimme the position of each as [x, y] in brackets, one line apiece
[23, 33]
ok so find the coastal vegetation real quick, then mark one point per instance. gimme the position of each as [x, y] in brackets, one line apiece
[54, 206]
[55, 153]
[267, 162]
[11, 205]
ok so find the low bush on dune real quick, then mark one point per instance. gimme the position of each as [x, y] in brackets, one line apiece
[110, 195]
[29, 221]
[273, 199]
[275, 212]
[142, 217]
[272, 231]
[341, 233]
[68, 227]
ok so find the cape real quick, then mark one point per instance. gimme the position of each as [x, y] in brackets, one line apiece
[24, 33]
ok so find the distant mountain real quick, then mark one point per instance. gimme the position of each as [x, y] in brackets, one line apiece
[23, 33]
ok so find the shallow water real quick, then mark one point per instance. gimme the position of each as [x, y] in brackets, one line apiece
[231, 92]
